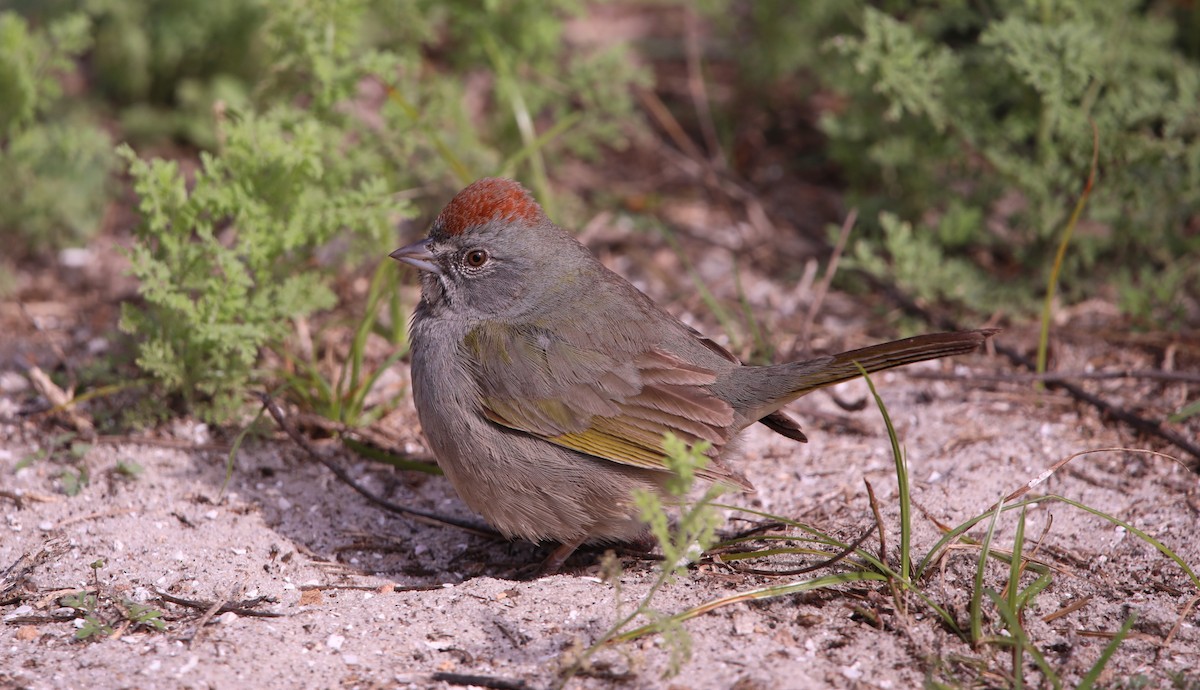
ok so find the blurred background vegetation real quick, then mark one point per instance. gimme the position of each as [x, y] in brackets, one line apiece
[271, 147]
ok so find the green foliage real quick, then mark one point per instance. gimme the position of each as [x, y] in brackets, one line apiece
[74, 480]
[695, 525]
[28, 62]
[129, 469]
[63, 448]
[920, 262]
[224, 264]
[229, 259]
[988, 629]
[56, 171]
[59, 175]
[682, 541]
[344, 398]
[539, 75]
[163, 65]
[1156, 294]
[1188, 411]
[144, 616]
[773, 39]
[317, 47]
[328, 108]
[1002, 120]
[972, 121]
[100, 613]
[50, 447]
[80, 601]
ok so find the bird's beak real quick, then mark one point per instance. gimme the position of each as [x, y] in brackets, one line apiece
[417, 255]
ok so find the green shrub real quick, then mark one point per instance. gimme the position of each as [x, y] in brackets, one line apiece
[350, 111]
[55, 164]
[973, 122]
[162, 65]
[226, 263]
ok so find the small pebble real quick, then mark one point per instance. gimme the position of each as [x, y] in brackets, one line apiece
[12, 382]
[75, 257]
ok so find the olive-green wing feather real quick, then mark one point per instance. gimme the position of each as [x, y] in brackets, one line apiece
[612, 406]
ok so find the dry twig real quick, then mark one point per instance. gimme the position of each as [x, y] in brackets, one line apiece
[411, 513]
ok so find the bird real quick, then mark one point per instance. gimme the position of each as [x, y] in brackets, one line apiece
[545, 383]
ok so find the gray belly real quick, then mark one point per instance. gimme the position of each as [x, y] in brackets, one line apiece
[522, 485]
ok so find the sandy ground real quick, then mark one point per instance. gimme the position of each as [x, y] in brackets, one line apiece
[368, 599]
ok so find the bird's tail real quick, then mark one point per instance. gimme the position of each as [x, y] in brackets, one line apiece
[799, 378]
[844, 366]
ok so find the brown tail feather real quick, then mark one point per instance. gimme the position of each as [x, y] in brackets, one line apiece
[804, 377]
[897, 353]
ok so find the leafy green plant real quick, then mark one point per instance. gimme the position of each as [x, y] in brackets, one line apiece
[144, 615]
[129, 469]
[100, 614]
[56, 164]
[74, 480]
[51, 446]
[970, 123]
[1153, 295]
[1018, 95]
[228, 260]
[225, 265]
[66, 449]
[161, 66]
[682, 542]
[1189, 410]
[343, 398]
[87, 605]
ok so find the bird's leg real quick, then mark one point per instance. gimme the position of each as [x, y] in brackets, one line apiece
[559, 556]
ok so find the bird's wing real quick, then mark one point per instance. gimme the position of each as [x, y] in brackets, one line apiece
[617, 407]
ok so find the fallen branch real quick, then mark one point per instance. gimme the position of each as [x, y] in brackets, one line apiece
[411, 513]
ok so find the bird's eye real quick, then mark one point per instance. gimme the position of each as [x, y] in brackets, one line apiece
[475, 258]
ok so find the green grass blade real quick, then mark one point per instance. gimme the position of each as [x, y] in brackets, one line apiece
[977, 591]
[1035, 588]
[523, 118]
[718, 310]
[750, 595]
[1064, 241]
[903, 495]
[398, 461]
[1015, 599]
[868, 557]
[460, 170]
[509, 166]
[763, 351]
[957, 532]
[237, 444]
[1013, 624]
[1089, 679]
[1162, 548]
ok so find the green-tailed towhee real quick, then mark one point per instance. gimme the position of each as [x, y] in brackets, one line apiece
[545, 382]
